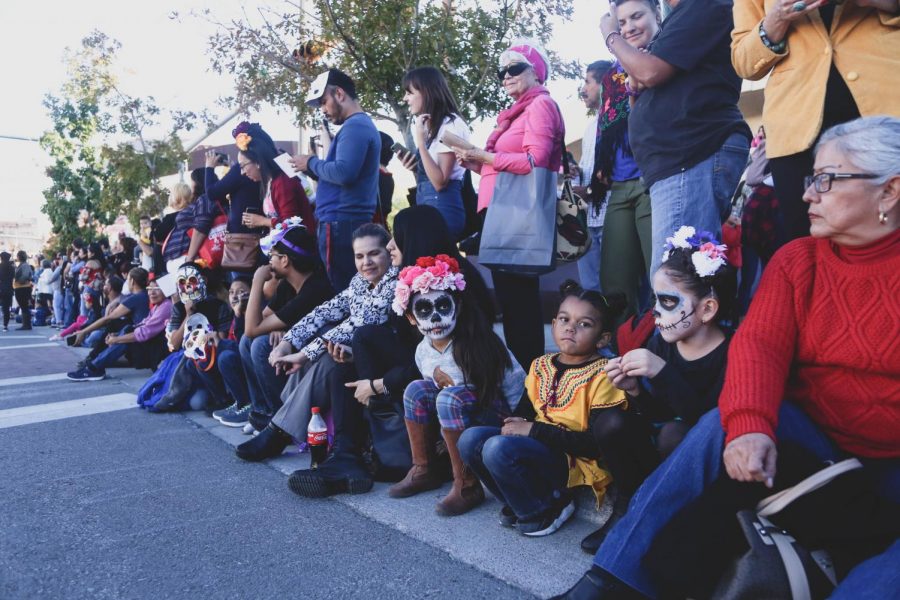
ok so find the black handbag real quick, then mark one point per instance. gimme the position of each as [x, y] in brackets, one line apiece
[775, 565]
[391, 455]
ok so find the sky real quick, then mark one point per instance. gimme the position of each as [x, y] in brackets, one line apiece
[165, 58]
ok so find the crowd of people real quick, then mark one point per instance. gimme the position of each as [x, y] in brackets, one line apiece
[737, 306]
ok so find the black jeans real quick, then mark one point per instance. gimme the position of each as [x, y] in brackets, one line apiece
[5, 304]
[523, 325]
[23, 298]
[788, 171]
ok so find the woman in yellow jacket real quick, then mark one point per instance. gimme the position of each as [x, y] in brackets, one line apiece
[831, 61]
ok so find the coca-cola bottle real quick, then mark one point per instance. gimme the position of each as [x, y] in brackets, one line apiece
[317, 438]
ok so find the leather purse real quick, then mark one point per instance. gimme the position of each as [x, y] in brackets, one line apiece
[242, 252]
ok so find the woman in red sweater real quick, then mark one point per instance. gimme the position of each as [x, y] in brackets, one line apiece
[283, 196]
[815, 363]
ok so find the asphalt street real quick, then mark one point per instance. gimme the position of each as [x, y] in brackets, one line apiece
[103, 500]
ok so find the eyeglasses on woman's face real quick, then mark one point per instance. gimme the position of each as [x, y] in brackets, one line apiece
[514, 69]
[823, 181]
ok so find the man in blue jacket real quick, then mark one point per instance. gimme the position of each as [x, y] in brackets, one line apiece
[348, 176]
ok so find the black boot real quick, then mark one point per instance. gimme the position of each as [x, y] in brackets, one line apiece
[340, 473]
[597, 584]
[269, 443]
[592, 542]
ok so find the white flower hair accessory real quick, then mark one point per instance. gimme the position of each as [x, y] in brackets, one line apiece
[708, 255]
[277, 235]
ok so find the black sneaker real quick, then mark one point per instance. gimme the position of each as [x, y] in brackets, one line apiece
[507, 517]
[270, 443]
[236, 418]
[87, 373]
[549, 523]
[338, 474]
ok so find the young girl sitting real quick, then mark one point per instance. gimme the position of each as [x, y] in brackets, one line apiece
[470, 377]
[677, 378]
[548, 447]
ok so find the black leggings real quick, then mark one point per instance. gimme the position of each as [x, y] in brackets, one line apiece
[5, 305]
[523, 325]
[625, 439]
[23, 298]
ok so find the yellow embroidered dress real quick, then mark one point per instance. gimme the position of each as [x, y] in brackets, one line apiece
[565, 398]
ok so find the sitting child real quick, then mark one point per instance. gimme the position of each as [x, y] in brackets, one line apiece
[548, 447]
[678, 377]
[470, 377]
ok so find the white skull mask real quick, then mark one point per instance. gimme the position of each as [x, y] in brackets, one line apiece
[197, 338]
[435, 313]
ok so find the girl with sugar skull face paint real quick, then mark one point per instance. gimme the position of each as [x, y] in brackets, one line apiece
[470, 377]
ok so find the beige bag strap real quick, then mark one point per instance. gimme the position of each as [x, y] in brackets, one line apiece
[778, 502]
[793, 566]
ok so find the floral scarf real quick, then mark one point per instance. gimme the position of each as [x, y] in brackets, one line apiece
[612, 123]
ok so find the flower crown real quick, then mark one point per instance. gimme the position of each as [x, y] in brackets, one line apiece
[430, 273]
[277, 235]
[708, 255]
[241, 135]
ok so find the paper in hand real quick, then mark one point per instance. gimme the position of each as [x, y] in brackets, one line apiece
[283, 160]
[454, 141]
[167, 284]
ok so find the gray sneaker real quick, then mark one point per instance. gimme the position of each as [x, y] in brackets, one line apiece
[218, 414]
[236, 418]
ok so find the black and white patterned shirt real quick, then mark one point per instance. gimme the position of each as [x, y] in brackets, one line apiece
[356, 306]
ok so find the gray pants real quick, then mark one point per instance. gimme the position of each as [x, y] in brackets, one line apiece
[313, 385]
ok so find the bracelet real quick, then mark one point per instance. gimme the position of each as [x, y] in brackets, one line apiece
[609, 35]
[372, 385]
[776, 48]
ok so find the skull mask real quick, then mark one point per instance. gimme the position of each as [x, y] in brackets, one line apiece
[435, 313]
[197, 338]
[191, 284]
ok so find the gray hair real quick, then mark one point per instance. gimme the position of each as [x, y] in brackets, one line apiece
[871, 144]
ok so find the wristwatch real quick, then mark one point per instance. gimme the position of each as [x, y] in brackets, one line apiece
[776, 48]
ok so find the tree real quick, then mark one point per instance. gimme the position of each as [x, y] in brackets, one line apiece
[105, 162]
[274, 53]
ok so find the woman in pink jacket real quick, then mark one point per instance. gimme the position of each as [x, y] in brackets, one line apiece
[530, 132]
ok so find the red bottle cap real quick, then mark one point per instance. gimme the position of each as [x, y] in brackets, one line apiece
[315, 410]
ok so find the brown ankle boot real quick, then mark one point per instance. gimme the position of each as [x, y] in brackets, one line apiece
[466, 492]
[420, 477]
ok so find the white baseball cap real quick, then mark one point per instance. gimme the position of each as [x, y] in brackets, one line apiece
[317, 89]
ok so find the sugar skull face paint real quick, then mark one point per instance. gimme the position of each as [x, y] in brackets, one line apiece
[435, 313]
[191, 284]
[197, 337]
[675, 309]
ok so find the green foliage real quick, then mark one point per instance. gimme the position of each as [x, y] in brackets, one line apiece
[103, 161]
[376, 43]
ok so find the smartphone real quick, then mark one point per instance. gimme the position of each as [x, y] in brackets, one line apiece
[399, 149]
[221, 158]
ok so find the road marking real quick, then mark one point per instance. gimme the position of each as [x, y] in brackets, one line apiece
[31, 379]
[40, 413]
[21, 346]
[22, 337]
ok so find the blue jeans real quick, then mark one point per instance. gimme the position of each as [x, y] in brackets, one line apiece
[448, 202]
[94, 337]
[227, 377]
[699, 196]
[694, 465]
[589, 264]
[519, 471]
[69, 313]
[336, 250]
[263, 385]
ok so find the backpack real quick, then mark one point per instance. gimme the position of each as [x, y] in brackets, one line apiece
[158, 384]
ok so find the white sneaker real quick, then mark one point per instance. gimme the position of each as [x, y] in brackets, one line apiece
[249, 430]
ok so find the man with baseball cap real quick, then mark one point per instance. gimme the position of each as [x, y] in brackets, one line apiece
[348, 176]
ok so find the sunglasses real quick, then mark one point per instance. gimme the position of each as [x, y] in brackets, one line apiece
[513, 69]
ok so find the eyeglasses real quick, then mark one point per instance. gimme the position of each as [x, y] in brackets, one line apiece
[823, 181]
[274, 254]
[245, 166]
[513, 69]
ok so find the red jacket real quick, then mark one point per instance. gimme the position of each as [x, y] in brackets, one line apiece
[824, 332]
[290, 200]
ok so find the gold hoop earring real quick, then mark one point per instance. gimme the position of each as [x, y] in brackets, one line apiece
[882, 217]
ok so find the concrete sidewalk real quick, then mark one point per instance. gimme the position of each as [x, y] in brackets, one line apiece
[538, 566]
